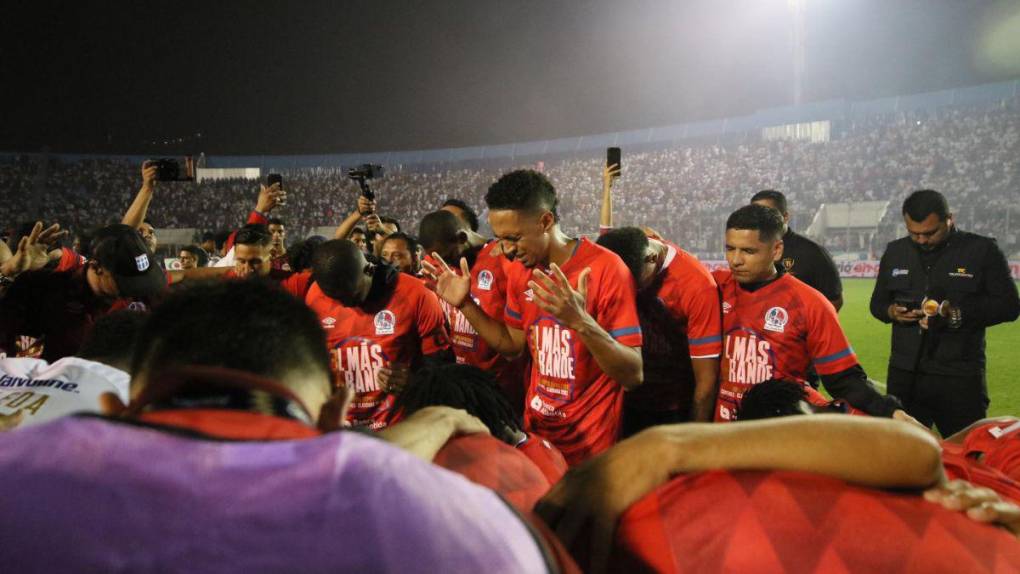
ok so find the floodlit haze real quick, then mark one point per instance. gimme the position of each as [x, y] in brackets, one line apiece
[310, 76]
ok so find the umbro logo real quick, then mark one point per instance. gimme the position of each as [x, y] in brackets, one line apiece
[328, 323]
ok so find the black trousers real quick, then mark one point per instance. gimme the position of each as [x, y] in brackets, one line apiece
[951, 403]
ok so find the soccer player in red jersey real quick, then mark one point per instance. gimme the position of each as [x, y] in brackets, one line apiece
[253, 258]
[380, 325]
[570, 303]
[776, 327]
[451, 238]
[798, 493]
[678, 304]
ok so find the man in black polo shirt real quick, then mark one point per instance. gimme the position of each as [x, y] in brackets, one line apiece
[802, 257]
[940, 288]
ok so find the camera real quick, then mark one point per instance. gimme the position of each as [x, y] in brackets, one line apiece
[365, 171]
[362, 174]
[170, 169]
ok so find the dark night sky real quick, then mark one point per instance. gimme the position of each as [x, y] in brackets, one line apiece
[317, 77]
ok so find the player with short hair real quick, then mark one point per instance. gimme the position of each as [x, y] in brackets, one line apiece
[253, 259]
[380, 325]
[401, 251]
[278, 250]
[678, 304]
[570, 303]
[449, 237]
[776, 327]
[463, 211]
[802, 257]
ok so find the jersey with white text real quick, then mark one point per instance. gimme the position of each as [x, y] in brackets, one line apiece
[397, 331]
[570, 401]
[777, 331]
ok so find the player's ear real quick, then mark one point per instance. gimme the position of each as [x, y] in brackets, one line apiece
[462, 237]
[777, 250]
[547, 220]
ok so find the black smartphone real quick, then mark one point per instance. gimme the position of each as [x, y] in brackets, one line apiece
[613, 158]
[910, 304]
[274, 178]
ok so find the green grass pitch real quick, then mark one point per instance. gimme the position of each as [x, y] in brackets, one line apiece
[870, 339]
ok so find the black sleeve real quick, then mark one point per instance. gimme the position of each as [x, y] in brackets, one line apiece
[880, 299]
[827, 275]
[999, 303]
[853, 386]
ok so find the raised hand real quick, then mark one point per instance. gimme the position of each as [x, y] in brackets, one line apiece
[365, 205]
[33, 251]
[149, 172]
[554, 295]
[270, 198]
[450, 287]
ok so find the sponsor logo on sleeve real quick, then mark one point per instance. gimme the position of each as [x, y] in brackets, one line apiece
[142, 262]
[898, 272]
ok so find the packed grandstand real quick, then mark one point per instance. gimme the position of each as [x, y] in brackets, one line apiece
[683, 188]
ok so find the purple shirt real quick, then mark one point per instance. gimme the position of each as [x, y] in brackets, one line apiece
[85, 494]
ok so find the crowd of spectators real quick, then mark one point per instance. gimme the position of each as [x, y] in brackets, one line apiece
[684, 191]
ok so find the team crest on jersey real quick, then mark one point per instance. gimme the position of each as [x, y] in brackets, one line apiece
[329, 322]
[726, 307]
[788, 263]
[137, 306]
[485, 280]
[142, 262]
[385, 322]
[776, 319]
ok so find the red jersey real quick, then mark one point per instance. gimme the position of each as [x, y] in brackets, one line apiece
[399, 330]
[297, 284]
[570, 401]
[798, 522]
[488, 461]
[777, 331]
[997, 443]
[488, 290]
[680, 321]
[281, 263]
[545, 456]
[958, 465]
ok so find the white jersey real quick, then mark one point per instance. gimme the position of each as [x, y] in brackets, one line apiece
[43, 392]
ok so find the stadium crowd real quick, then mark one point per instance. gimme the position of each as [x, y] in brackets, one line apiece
[441, 395]
[685, 191]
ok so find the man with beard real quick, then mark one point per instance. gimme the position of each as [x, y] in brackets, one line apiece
[941, 287]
